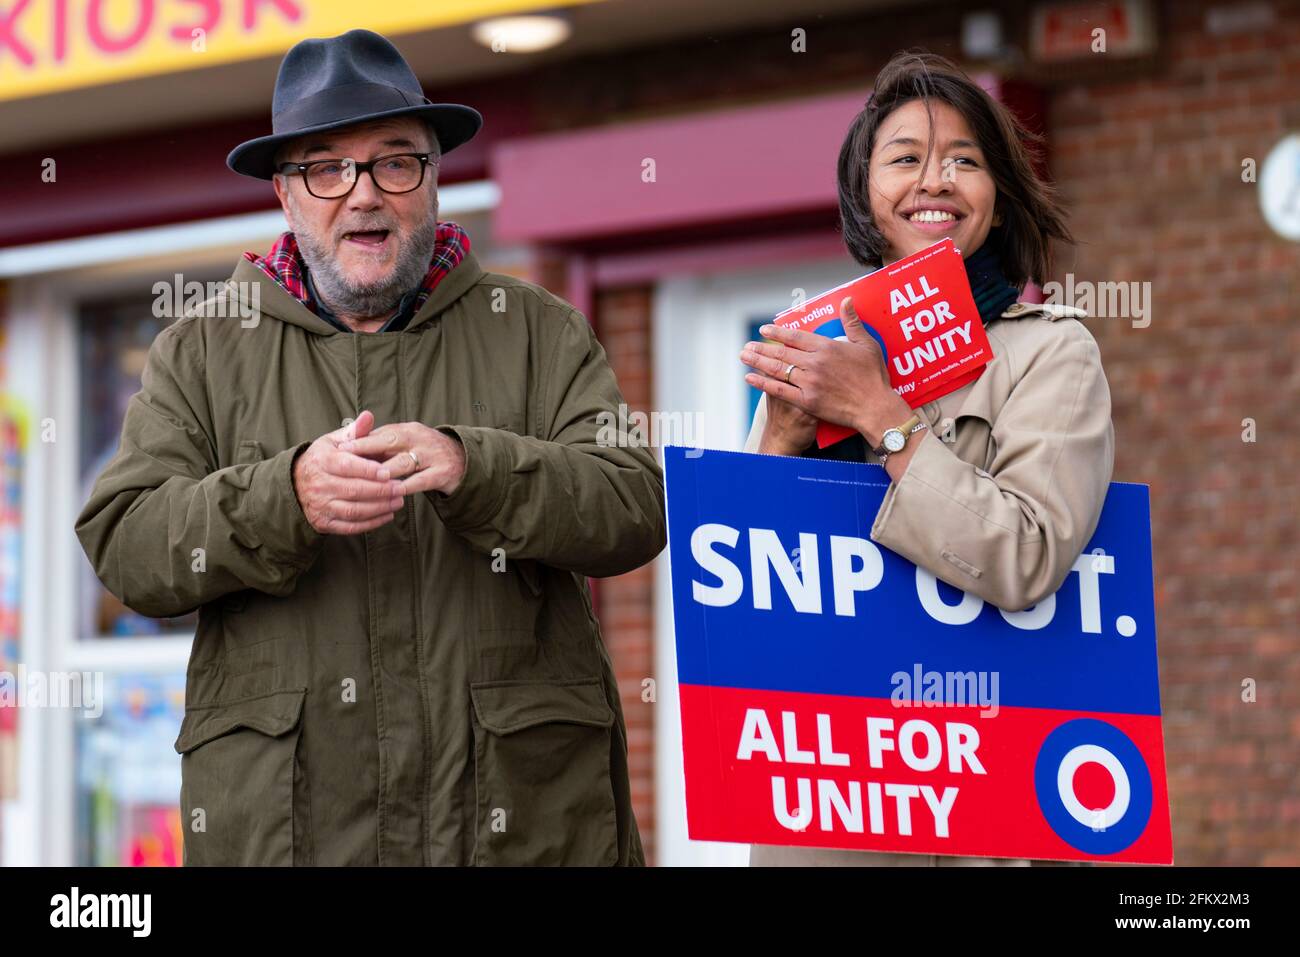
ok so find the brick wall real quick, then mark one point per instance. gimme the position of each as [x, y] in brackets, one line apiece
[1152, 170]
[626, 603]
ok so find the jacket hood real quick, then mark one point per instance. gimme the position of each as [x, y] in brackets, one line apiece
[274, 301]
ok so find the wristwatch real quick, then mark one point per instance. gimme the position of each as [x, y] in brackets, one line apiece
[896, 438]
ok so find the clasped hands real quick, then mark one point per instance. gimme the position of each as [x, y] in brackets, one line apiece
[807, 377]
[355, 478]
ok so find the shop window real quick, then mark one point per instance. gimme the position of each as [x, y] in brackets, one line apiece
[128, 775]
[112, 344]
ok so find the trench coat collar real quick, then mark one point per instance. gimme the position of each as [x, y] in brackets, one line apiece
[1048, 310]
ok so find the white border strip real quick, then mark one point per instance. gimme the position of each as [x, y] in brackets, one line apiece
[477, 196]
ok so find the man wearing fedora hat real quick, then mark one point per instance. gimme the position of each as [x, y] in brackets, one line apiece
[384, 497]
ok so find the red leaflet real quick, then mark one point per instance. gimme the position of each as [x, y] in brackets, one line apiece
[920, 311]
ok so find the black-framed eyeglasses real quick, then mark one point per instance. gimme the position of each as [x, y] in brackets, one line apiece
[335, 178]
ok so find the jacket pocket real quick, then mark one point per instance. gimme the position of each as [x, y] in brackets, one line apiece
[542, 773]
[239, 763]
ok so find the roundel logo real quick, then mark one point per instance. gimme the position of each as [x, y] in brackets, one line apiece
[1093, 786]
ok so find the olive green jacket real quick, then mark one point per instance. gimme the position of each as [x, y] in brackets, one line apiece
[432, 692]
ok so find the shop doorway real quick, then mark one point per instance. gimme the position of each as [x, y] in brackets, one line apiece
[700, 324]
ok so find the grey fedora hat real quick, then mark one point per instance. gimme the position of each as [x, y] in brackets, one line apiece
[338, 81]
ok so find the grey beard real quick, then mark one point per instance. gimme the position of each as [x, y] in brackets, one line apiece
[344, 297]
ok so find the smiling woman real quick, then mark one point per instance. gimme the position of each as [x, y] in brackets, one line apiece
[1002, 498]
[933, 156]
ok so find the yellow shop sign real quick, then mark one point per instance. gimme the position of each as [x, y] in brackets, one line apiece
[49, 45]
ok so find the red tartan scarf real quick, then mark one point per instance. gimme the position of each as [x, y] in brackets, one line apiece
[283, 263]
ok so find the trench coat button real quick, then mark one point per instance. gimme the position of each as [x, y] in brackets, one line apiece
[1015, 309]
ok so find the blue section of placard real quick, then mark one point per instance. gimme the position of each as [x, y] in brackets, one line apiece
[1059, 664]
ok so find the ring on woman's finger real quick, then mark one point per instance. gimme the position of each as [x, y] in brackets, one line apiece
[789, 370]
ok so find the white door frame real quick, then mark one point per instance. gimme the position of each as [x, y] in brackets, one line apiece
[699, 325]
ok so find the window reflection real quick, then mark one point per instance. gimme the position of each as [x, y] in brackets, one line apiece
[129, 776]
[112, 344]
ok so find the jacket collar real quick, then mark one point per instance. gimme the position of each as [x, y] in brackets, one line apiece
[1048, 310]
[275, 300]
[463, 277]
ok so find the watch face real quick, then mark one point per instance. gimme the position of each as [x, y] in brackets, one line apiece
[894, 440]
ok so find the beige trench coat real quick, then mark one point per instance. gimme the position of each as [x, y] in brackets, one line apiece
[1002, 498]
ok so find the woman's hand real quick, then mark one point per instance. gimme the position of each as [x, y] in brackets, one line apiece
[837, 381]
[788, 430]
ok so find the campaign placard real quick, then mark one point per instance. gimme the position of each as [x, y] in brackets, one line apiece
[835, 695]
[921, 313]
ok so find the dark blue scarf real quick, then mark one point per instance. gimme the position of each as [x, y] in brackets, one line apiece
[989, 287]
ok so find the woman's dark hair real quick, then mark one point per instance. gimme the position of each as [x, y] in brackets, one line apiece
[1031, 215]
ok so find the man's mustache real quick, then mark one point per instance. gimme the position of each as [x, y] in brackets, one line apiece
[367, 228]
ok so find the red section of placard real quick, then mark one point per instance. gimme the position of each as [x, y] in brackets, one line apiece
[740, 781]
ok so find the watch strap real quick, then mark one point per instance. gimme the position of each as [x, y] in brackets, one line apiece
[907, 428]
